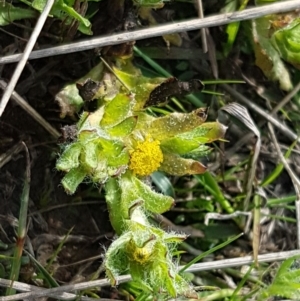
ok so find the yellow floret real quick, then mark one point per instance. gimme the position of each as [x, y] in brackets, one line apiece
[141, 255]
[146, 157]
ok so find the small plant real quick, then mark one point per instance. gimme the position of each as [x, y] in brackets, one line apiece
[118, 145]
[286, 282]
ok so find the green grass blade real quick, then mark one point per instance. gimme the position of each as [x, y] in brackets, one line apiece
[21, 232]
[241, 283]
[202, 255]
[210, 184]
[60, 246]
[278, 169]
[46, 276]
[276, 202]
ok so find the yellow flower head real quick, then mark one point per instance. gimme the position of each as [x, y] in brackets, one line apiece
[146, 157]
[141, 255]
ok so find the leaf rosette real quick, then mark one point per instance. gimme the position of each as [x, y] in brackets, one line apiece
[120, 136]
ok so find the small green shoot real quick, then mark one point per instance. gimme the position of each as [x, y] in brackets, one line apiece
[233, 28]
[59, 248]
[286, 282]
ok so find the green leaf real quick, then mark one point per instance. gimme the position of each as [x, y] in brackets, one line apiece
[72, 12]
[123, 128]
[39, 4]
[129, 190]
[154, 3]
[116, 110]
[233, 28]
[176, 123]
[115, 205]
[69, 158]
[154, 202]
[111, 149]
[85, 29]
[89, 157]
[128, 74]
[267, 57]
[175, 165]
[286, 282]
[163, 183]
[60, 9]
[10, 13]
[287, 42]
[116, 258]
[102, 157]
[179, 145]
[72, 179]
[198, 152]
[138, 84]
[189, 141]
